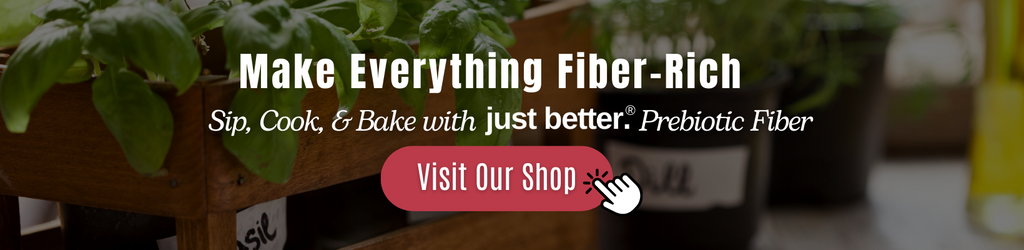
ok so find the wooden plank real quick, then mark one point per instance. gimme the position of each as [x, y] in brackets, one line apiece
[10, 223]
[69, 155]
[216, 231]
[323, 159]
[546, 32]
[494, 230]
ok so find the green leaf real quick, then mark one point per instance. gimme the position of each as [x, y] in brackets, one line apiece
[176, 6]
[493, 24]
[407, 22]
[364, 45]
[16, 20]
[341, 13]
[299, 4]
[103, 4]
[147, 34]
[509, 7]
[140, 120]
[393, 48]
[476, 101]
[447, 28]
[404, 22]
[375, 17]
[515, 7]
[416, 8]
[205, 18]
[332, 43]
[79, 71]
[270, 27]
[42, 57]
[828, 89]
[72, 10]
[268, 154]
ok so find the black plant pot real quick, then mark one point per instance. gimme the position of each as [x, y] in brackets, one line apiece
[95, 228]
[829, 162]
[679, 171]
[340, 215]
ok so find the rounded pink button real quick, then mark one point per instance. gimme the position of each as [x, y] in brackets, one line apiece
[494, 178]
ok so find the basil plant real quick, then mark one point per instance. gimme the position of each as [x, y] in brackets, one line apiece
[115, 39]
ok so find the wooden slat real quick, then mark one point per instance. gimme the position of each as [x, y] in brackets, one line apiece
[69, 155]
[494, 230]
[324, 159]
[10, 223]
[215, 231]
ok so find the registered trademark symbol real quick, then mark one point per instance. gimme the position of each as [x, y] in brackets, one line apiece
[630, 110]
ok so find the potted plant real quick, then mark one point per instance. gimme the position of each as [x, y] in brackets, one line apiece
[134, 46]
[847, 105]
[702, 189]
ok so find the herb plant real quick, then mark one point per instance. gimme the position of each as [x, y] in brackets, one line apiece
[111, 38]
[141, 33]
[802, 34]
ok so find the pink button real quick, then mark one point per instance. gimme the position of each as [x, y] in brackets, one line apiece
[499, 178]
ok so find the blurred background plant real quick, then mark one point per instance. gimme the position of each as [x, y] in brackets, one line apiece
[802, 34]
[17, 21]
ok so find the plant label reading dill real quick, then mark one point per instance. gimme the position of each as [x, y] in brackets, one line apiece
[491, 72]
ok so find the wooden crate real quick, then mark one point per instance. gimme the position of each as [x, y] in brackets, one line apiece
[68, 155]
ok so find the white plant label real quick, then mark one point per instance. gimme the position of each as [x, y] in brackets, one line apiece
[169, 243]
[263, 226]
[677, 179]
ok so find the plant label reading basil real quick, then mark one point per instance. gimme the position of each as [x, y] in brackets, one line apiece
[263, 226]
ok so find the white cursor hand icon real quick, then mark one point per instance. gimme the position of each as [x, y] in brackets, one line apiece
[621, 194]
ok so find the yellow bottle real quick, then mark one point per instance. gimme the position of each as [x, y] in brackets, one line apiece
[996, 198]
